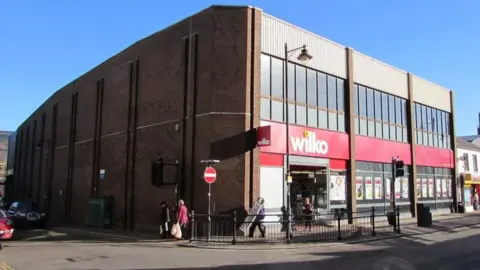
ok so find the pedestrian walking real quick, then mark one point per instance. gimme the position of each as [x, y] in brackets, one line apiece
[164, 220]
[182, 218]
[308, 211]
[258, 222]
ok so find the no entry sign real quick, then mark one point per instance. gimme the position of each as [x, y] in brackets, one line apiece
[210, 175]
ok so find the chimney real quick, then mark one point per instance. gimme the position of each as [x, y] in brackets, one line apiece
[478, 127]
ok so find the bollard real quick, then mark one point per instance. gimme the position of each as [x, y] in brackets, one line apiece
[339, 237]
[374, 233]
[192, 226]
[234, 240]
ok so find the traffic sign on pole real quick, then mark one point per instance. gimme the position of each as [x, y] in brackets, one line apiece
[210, 175]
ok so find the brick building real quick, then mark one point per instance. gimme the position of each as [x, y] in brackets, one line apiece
[199, 89]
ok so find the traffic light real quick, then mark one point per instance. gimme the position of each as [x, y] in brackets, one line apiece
[398, 168]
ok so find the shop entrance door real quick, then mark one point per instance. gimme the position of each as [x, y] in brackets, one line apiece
[310, 182]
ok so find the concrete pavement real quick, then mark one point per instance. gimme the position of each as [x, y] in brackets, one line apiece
[456, 245]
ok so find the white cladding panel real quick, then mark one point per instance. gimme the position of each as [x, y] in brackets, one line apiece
[328, 56]
[461, 163]
[430, 94]
[373, 73]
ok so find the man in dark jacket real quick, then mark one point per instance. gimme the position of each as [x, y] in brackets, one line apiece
[164, 220]
[258, 222]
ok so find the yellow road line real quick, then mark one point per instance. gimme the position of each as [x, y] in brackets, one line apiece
[5, 266]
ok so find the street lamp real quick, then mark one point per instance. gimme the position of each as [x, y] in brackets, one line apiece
[304, 56]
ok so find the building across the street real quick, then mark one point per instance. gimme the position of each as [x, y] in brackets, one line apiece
[4, 135]
[468, 155]
[208, 87]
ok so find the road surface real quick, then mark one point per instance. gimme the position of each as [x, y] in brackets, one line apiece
[454, 248]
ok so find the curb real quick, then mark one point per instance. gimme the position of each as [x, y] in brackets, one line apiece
[288, 246]
[324, 244]
[98, 234]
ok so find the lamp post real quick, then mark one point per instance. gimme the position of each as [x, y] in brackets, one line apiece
[304, 56]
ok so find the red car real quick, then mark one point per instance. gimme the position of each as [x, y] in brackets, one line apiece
[6, 226]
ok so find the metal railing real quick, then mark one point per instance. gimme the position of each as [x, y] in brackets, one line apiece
[335, 226]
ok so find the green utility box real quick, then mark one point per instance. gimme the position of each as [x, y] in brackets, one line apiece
[100, 211]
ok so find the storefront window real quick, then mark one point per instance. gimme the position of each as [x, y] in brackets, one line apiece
[332, 92]
[322, 90]
[434, 186]
[265, 77]
[301, 83]
[277, 77]
[265, 108]
[311, 87]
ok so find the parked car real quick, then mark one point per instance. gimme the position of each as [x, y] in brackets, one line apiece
[6, 226]
[27, 215]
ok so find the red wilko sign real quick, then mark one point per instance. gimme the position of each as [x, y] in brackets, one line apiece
[305, 141]
[263, 135]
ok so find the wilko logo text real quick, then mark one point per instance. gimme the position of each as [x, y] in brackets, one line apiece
[309, 144]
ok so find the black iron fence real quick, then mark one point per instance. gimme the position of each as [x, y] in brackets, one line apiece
[335, 226]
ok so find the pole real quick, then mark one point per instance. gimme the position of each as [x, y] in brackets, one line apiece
[287, 132]
[392, 185]
[209, 228]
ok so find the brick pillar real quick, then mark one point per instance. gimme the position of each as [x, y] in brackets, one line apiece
[350, 128]
[453, 143]
[412, 180]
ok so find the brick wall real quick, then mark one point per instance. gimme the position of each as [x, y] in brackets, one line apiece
[223, 45]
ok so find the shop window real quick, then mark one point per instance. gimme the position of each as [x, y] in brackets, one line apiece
[322, 119]
[393, 133]
[370, 104]
[371, 128]
[301, 115]
[301, 84]
[378, 105]
[384, 108]
[340, 95]
[341, 122]
[312, 117]
[418, 116]
[277, 77]
[386, 131]
[332, 92]
[265, 108]
[311, 87]
[434, 120]
[355, 98]
[419, 137]
[404, 112]
[362, 101]
[378, 130]
[391, 109]
[424, 118]
[357, 125]
[399, 134]
[322, 90]
[428, 123]
[332, 121]
[398, 111]
[277, 111]
[265, 77]
[291, 113]
[363, 127]
[291, 81]
[475, 163]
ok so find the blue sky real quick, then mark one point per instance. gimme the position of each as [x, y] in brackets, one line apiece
[46, 44]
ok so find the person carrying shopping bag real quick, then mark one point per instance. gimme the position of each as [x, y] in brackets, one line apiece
[179, 230]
